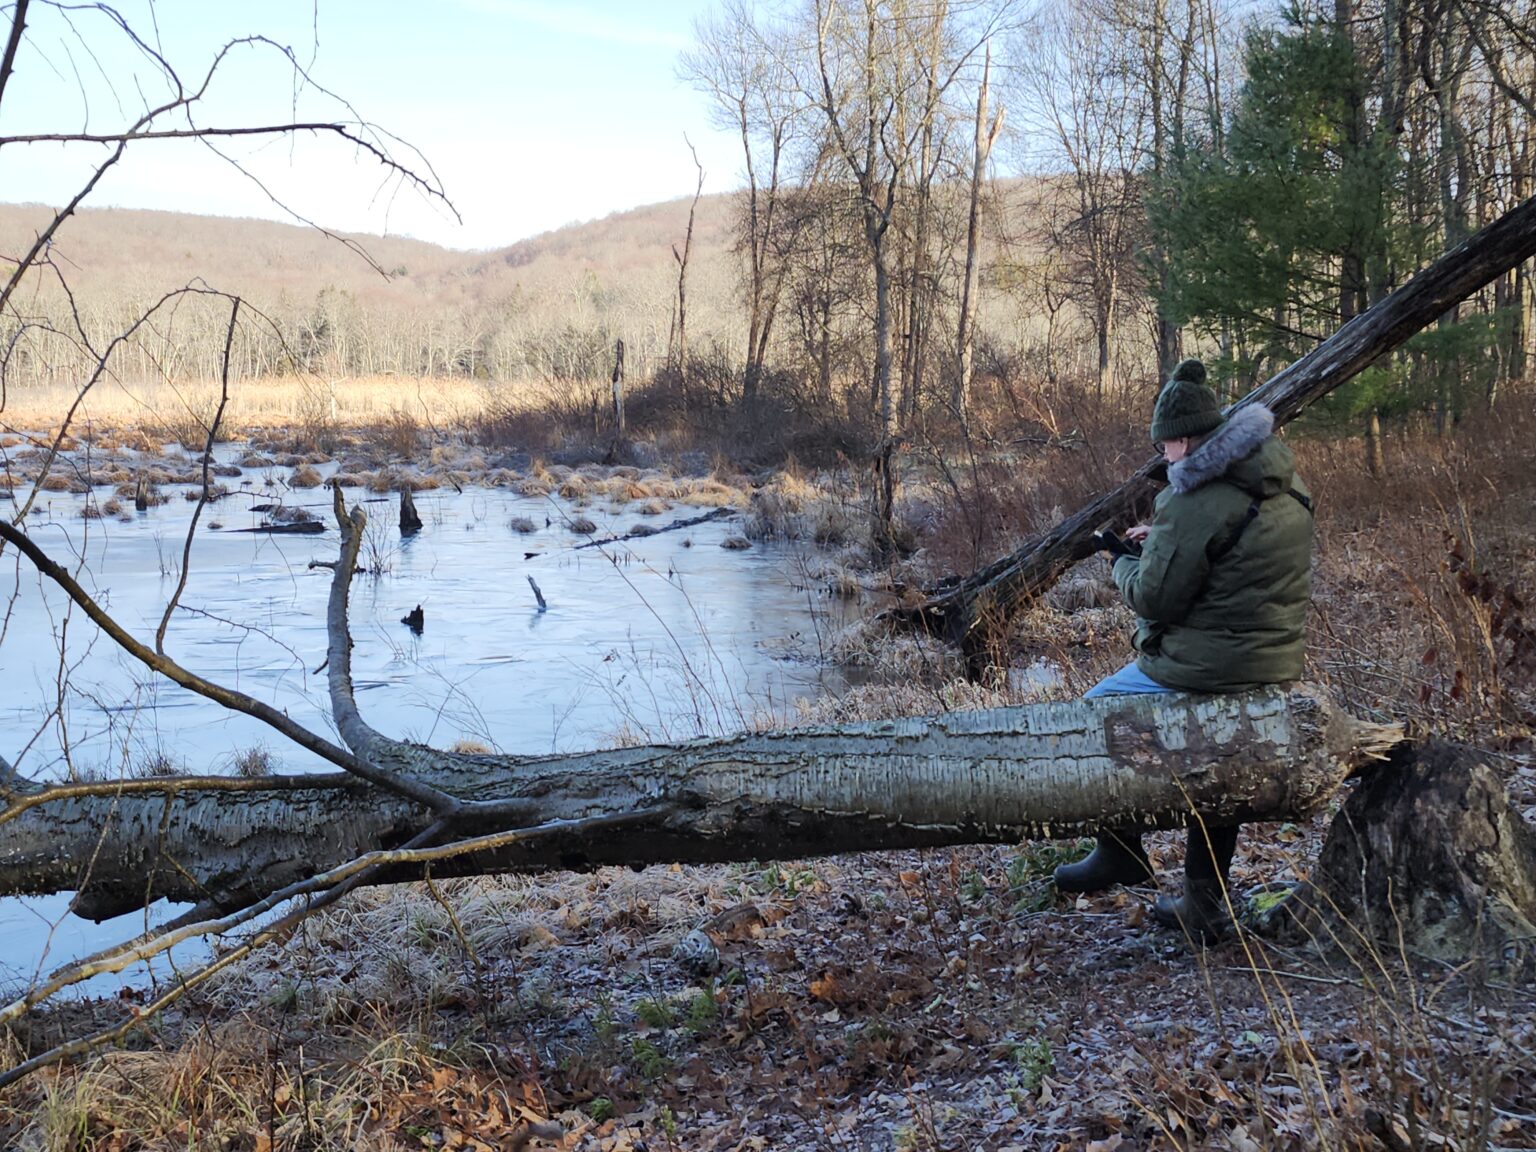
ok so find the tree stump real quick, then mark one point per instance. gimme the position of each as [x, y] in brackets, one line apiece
[410, 522]
[1426, 856]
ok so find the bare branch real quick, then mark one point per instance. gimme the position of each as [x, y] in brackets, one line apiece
[202, 498]
[8, 62]
[423, 794]
[130, 136]
[351, 873]
[273, 931]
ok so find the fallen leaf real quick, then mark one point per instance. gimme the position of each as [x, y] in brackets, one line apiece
[825, 987]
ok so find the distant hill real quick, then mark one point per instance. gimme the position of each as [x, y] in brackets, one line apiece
[111, 254]
[547, 309]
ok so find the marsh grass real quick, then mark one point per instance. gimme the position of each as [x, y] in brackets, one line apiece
[319, 407]
[233, 1085]
[254, 762]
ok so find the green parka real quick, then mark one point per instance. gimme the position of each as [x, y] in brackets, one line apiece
[1221, 596]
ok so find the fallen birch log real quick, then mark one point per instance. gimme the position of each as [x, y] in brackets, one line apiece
[996, 776]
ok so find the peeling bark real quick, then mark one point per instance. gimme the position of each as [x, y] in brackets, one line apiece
[1427, 855]
[971, 777]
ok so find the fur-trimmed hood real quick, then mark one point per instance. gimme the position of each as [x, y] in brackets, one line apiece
[1222, 584]
[1241, 451]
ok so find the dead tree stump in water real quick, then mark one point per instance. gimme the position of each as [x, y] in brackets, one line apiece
[1427, 856]
[410, 522]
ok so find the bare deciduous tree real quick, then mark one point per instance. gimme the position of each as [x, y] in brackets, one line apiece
[736, 65]
[1081, 100]
[882, 71]
[986, 136]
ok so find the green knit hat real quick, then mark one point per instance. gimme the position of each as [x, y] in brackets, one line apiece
[1185, 406]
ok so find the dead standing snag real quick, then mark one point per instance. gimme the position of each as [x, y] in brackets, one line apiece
[410, 519]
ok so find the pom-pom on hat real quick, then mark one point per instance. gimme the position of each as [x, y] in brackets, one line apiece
[1185, 406]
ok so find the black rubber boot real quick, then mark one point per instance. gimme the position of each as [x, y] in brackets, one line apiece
[1201, 913]
[1117, 858]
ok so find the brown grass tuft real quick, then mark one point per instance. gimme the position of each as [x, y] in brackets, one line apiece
[304, 476]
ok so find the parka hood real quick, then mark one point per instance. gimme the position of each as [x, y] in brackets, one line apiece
[1223, 582]
[1243, 452]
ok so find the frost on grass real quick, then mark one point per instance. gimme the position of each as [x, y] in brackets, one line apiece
[398, 949]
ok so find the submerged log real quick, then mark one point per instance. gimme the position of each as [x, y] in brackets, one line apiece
[295, 528]
[645, 530]
[994, 776]
[973, 611]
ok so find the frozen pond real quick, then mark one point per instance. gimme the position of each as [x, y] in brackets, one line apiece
[663, 637]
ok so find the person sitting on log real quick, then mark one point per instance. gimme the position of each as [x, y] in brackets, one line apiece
[1219, 582]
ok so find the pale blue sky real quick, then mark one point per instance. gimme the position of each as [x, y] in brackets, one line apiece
[534, 113]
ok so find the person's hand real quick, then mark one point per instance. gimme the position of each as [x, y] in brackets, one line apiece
[1138, 532]
[1107, 541]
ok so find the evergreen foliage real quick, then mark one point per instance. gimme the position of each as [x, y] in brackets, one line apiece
[1302, 214]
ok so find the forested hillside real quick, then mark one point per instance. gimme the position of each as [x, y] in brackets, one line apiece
[1229, 181]
[547, 306]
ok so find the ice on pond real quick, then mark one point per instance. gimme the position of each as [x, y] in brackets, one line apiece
[663, 637]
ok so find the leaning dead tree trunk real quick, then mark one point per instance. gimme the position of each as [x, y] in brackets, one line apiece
[972, 611]
[990, 776]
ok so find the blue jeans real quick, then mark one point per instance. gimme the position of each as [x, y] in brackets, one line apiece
[1129, 681]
